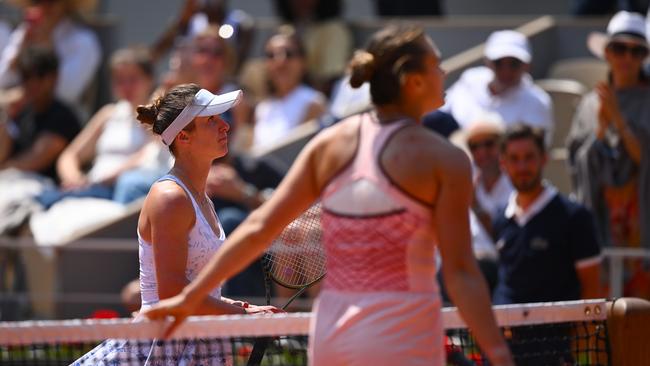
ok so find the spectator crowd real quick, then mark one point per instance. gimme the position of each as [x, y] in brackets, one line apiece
[533, 243]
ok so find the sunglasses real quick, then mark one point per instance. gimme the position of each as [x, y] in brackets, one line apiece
[619, 49]
[487, 144]
[508, 62]
[281, 54]
[209, 51]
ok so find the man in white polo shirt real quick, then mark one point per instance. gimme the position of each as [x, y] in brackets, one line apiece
[503, 86]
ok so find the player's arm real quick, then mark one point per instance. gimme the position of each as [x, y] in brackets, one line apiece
[462, 276]
[82, 149]
[42, 154]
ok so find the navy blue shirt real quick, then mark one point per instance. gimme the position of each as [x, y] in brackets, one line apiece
[537, 260]
[441, 122]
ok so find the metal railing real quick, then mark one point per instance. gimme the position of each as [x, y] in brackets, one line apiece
[616, 256]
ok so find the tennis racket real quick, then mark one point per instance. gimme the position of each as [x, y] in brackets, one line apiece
[295, 260]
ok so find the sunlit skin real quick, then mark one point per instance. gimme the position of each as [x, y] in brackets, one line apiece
[210, 136]
[524, 162]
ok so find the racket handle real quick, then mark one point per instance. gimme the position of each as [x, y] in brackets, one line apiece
[257, 354]
[261, 344]
[295, 296]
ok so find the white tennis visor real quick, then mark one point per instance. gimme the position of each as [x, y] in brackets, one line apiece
[203, 104]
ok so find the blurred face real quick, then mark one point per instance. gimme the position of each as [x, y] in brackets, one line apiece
[38, 89]
[485, 151]
[508, 71]
[131, 83]
[44, 9]
[209, 137]
[209, 62]
[625, 57]
[285, 65]
[523, 162]
[434, 77]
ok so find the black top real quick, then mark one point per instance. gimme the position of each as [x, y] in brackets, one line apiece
[58, 119]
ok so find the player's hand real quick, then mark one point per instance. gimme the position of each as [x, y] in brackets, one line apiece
[177, 307]
[264, 309]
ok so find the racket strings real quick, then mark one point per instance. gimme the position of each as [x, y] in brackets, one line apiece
[297, 256]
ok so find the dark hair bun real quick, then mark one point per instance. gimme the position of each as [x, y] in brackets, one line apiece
[362, 67]
[147, 114]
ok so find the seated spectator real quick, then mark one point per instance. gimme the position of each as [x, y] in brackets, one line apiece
[492, 187]
[34, 130]
[55, 23]
[32, 139]
[113, 141]
[548, 247]
[327, 39]
[609, 145]
[291, 101]
[234, 25]
[502, 86]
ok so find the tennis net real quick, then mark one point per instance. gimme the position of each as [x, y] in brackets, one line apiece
[568, 333]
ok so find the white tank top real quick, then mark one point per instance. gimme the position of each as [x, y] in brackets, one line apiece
[275, 117]
[202, 243]
[121, 137]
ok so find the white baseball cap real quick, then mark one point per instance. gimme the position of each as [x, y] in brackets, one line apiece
[508, 43]
[203, 104]
[624, 25]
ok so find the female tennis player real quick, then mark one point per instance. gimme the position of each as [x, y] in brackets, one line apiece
[389, 190]
[178, 230]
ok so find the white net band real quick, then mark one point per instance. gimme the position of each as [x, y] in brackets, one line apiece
[48, 332]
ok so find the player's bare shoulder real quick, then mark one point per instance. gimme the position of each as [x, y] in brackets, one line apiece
[167, 197]
[337, 140]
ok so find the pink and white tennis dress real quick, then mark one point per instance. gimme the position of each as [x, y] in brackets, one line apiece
[379, 304]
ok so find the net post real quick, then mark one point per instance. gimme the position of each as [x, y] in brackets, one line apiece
[628, 321]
